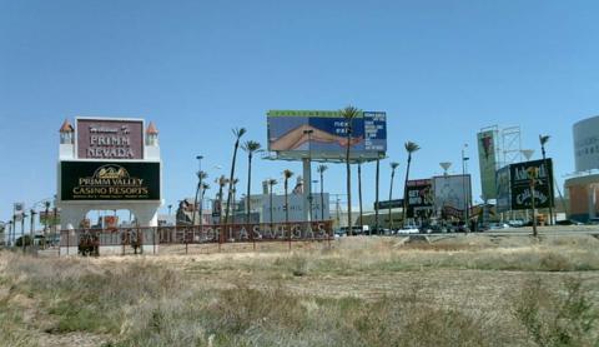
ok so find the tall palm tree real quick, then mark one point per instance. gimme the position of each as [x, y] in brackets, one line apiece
[233, 193]
[543, 139]
[321, 169]
[411, 147]
[271, 183]
[201, 177]
[222, 181]
[250, 147]
[349, 114]
[394, 166]
[238, 133]
[203, 188]
[287, 174]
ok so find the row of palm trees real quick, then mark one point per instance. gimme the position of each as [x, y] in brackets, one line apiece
[349, 113]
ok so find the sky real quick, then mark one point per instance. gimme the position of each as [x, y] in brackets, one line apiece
[442, 70]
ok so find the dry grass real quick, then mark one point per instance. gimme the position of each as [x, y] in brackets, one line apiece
[469, 291]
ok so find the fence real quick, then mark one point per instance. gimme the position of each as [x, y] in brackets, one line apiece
[151, 240]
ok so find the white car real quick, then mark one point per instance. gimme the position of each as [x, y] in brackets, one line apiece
[408, 229]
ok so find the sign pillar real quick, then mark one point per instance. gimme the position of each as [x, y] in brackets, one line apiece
[307, 165]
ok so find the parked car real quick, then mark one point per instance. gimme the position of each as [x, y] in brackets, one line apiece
[498, 226]
[516, 223]
[568, 222]
[408, 229]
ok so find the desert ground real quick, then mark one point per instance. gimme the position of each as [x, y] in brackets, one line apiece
[444, 290]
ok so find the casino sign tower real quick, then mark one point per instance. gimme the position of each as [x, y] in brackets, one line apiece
[108, 164]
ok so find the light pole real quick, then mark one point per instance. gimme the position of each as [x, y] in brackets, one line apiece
[308, 175]
[466, 199]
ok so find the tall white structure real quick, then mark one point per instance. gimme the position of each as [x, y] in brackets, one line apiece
[108, 164]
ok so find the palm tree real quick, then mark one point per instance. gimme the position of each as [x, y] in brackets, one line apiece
[203, 188]
[201, 177]
[233, 193]
[533, 175]
[271, 182]
[250, 147]
[238, 133]
[222, 182]
[321, 169]
[287, 175]
[411, 147]
[349, 114]
[394, 166]
[543, 139]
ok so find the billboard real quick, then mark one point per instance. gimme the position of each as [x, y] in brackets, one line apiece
[487, 159]
[452, 194]
[19, 211]
[110, 138]
[520, 184]
[323, 134]
[503, 194]
[50, 218]
[387, 204]
[421, 198]
[90, 180]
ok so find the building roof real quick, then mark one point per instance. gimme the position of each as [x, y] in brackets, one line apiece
[152, 129]
[66, 127]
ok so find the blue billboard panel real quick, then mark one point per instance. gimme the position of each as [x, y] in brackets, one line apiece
[323, 134]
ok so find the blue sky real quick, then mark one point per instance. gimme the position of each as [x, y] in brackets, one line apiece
[442, 70]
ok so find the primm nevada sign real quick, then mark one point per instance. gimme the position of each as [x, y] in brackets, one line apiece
[110, 139]
[91, 180]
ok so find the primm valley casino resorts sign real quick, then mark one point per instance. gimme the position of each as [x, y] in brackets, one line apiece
[84, 180]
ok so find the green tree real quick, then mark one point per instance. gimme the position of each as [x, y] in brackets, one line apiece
[394, 166]
[222, 181]
[349, 114]
[250, 147]
[287, 174]
[238, 133]
[410, 147]
[271, 183]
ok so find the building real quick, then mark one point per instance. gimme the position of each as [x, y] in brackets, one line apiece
[582, 187]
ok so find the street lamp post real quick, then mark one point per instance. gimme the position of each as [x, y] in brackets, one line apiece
[308, 175]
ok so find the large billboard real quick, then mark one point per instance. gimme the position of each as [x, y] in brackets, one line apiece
[487, 159]
[99, 138]
[452, 194]
[503, 194]
[91, 180]
[421, 198]
[520, 184]
[323, 134]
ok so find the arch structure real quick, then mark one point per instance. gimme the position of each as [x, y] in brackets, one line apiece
[107, 164]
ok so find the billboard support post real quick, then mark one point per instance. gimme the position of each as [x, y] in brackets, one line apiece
[307, 189]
